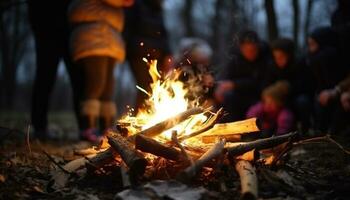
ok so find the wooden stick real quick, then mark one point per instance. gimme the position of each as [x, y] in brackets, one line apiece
[229, 138]
[154, 147]
[239, 127]
[249, 181]
[178, 144]
[261, 144]
[191, 171]
[208, 126]
[103, 158]
[133, 159]
[54, 162]
[326, 138]
[167, 124]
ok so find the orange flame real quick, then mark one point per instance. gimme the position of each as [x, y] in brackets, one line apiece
[167, 98]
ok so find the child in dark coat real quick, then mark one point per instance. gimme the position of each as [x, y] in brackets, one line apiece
[275, 116]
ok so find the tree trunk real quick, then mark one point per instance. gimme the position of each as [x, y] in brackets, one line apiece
[271, 20]
[13, 33]
[308, 19]
[296, 14]
[188, 18]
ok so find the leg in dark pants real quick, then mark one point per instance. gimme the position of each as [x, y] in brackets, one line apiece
[76, 81]
[98, 93]
[108, 107]
[48, 54]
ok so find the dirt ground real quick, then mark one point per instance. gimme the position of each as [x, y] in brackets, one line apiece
[310, 171]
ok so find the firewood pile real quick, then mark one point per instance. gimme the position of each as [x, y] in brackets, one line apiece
[142, 157]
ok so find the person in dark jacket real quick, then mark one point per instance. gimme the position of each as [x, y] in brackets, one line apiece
[284, 67]
[48, 20]
[146, 37]
[241, 81]
[327, 72]
[341, 24]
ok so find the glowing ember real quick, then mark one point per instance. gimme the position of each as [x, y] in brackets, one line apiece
[167, 98]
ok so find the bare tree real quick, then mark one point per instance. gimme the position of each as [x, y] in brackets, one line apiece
[308, 18]
[13, 35]
[187, 18]
[216, 25]
[296, 21]
[271, 19]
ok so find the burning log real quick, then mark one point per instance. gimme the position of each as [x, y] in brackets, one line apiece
[261, 144]
[193, 170]
[131, 157]
[154, 147]
[239, 127]
[102, 158]
[229, 138]
[167, 124]
[206, 127]
[249, 181]
[178, 144]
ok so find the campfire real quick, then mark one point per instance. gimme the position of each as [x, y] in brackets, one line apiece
[173, 137]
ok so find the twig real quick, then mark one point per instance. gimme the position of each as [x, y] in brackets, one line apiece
[191, 171]
[287, 148]
[183, 151]
[167, 124]
[326, 138]
[27, 139]
[261, 144]
[211, 122]
[54, 162]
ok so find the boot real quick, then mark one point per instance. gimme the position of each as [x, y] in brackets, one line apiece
[90, 110]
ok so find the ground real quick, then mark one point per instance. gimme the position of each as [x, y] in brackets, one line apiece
[310, 171]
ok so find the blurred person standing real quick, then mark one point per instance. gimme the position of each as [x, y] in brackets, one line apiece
[96, 45]
[146, 37]
[48, 20]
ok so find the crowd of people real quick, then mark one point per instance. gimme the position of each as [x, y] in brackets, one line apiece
[272, 82]
[286, 92]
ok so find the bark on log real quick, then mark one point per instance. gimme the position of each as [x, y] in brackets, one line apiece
[261, 144]
[249, 182]
[102, 158]
[167, 124]
[191, 171]
[131, 157]
[152, 146]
